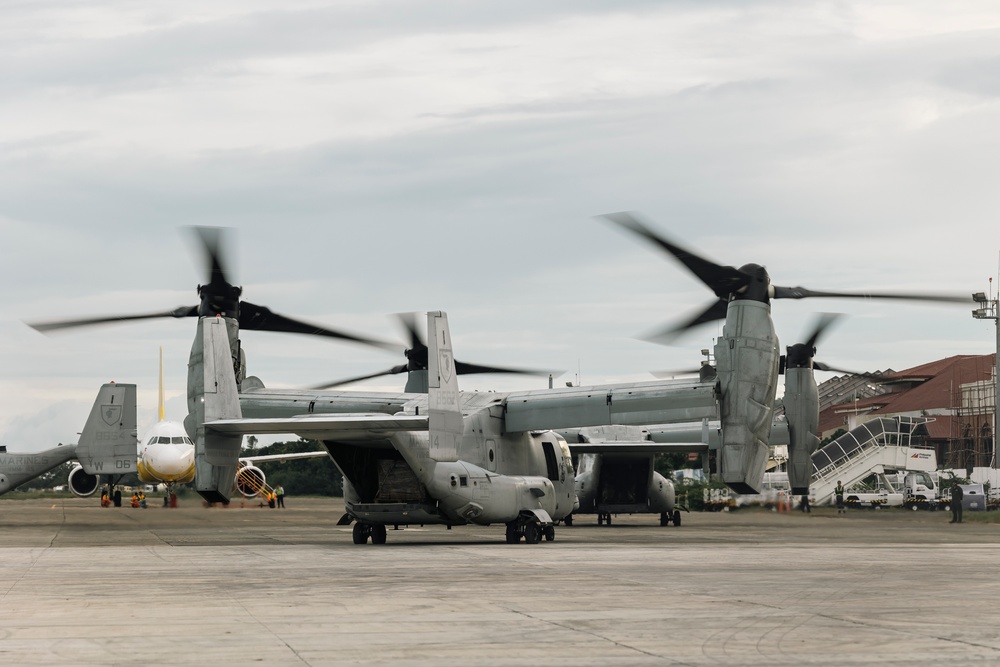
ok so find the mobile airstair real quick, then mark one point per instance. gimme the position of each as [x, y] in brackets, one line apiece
[873, 447]
[250, 483]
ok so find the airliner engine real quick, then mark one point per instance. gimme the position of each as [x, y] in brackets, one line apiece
[82, 483]
[250, 480]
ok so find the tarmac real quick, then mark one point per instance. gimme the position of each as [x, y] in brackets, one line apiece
[82, 585]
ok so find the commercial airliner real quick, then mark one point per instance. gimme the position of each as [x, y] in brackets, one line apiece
[166, 456]
[166, 453]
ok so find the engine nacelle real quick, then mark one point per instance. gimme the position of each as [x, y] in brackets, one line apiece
[82, 483]
[662, 497]
[250, 481]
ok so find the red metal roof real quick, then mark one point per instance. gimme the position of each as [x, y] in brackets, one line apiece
[931, 386]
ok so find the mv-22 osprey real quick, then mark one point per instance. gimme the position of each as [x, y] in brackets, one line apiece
[443, 457]
[106, 447]
[748, 362]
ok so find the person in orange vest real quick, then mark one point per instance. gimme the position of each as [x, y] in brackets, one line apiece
[271, 499]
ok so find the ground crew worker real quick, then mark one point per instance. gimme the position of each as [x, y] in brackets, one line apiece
[271, 500]
[142, 500]
[135, 500]
[279, 494]
[839, 493]
[804, 504]
[956, 503]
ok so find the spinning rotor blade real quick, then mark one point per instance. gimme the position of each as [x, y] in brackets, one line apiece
[417, 353]
[45, 327]
[723, 280]
[416, 356]
[715, 311]
[212, 242]
[262, 318]
[750, 281]
[823, 323]
[803, 293]
[463, 368]
[820, 366]
[339, 383]
[409, 323]
[220, 297]
[801, 355]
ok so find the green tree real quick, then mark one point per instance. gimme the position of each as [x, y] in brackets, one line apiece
[836, 434]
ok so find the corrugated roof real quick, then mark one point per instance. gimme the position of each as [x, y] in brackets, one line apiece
[941, 386]
[935, 386]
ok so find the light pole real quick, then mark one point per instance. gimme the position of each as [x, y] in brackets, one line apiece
[988, 310]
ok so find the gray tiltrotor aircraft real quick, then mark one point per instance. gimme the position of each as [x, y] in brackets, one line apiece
[742, 395]
[748, 360]
[429, 463]
[106, 447]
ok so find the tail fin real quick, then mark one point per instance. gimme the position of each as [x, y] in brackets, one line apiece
[213, 394]
[161, 410]
[108, 443]
[444, 414]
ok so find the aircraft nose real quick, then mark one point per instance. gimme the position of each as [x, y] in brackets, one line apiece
[172, 461]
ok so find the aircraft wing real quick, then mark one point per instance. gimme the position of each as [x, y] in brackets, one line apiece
[324, 426]
[284, 457]
[639, 447]
[661, 402]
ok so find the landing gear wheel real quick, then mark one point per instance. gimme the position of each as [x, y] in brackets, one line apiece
[677, 518]
[568, 521]
[532, 533]
[512, 535]
[360, 533]
[600, 519]
[664, 519]
[378, 533]
[550, 533]
[607, 519]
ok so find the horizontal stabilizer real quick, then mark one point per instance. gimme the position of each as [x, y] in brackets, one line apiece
[108, 442]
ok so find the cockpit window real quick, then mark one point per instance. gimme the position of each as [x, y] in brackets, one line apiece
[163, 440]
[177, 440]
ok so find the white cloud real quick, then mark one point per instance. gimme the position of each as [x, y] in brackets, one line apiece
[395, 156]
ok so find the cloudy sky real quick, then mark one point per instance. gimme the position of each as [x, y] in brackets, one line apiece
[381, 157]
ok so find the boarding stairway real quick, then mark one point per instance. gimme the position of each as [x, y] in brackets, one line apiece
[250, 483]
[873, 447]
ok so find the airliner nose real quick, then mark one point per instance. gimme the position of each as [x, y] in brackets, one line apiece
[171, 462]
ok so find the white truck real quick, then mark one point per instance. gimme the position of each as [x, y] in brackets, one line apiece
[914, 490]
[922, 491]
